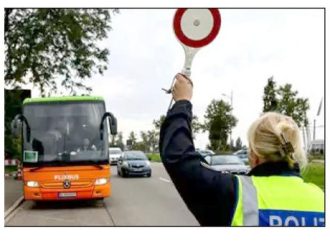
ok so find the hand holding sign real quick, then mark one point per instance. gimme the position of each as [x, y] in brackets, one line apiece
[194, 28]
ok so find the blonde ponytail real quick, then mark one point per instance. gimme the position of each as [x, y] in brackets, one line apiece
[276, 137]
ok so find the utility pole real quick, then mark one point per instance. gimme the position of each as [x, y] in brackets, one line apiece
[314, 129]
[318, 114]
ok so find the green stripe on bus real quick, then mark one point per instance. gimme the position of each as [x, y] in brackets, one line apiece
[62, 99]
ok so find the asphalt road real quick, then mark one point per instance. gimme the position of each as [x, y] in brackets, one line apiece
[13, 191]
[134, 202]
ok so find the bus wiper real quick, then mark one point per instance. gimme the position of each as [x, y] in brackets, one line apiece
[98, 166]
[36, 168]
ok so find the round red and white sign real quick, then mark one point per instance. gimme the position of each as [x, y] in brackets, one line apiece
[196, 27]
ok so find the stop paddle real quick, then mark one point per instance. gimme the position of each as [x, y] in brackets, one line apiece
[194, 28]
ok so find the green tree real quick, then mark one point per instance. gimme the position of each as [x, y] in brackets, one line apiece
[45, 45]
[150, 139]
[195, 125]
[219, 122]
[158, 122]
[285, 100]
[293, 106]
[145, 141]
[140, 146]
[270, 100]
[120, 141]
[13, 106]
[153, 140]
[231, 145]
[238, 144]
[132, 137]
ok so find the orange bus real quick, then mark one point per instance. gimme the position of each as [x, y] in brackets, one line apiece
[65, 147]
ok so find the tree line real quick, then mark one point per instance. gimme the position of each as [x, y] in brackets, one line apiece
[219, 120]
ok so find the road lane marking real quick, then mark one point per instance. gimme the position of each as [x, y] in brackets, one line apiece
[164, 179]
[11, 212]
[14, 206]
[109, 213]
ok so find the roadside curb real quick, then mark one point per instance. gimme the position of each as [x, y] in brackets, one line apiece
[13, 207]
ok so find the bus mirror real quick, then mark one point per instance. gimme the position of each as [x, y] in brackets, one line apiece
[17, 126]
[112, 122]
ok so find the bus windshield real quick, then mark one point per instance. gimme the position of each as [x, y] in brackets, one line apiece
[66, 132]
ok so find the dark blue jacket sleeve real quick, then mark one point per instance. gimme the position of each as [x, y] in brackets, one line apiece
[209, 195]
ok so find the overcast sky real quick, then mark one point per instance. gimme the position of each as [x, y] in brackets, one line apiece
[252, 46]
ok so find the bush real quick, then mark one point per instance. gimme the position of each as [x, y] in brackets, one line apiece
[10, 169]
[154, 157]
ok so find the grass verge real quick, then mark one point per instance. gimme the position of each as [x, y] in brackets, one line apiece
[314, 173]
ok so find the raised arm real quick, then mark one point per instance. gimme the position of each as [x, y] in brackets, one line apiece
[208, 194]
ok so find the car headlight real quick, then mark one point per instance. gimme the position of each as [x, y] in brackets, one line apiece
[147, 163]
[32, 184]
[101, 181]
[125, 163]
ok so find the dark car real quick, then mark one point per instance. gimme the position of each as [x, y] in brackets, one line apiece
[134, 163]
[227, 164]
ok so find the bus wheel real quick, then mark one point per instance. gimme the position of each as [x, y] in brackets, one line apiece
[99, 201]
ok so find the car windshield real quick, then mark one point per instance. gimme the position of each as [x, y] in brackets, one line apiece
[135, 155]
[114, 152]
[225, 160]
[241, 152]
[65, 131]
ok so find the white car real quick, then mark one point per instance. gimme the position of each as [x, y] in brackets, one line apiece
[227, 164]
[115, 154]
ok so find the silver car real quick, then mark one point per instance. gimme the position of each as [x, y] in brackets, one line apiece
[134, 163]
[227, 164]
[205, 152]
[243, 155]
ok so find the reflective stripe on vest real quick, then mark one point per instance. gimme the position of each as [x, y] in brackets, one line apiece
[250, 202]
[278, 201]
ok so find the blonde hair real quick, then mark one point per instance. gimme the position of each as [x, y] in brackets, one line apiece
[268, 134]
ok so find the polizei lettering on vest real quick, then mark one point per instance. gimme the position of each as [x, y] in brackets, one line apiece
[290, 218]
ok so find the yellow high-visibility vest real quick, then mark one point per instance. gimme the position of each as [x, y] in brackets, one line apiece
[278, 201]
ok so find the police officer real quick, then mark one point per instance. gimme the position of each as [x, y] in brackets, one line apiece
[272, 194]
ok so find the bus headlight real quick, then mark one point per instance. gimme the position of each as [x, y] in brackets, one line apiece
[32, 184]
[101, 181]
